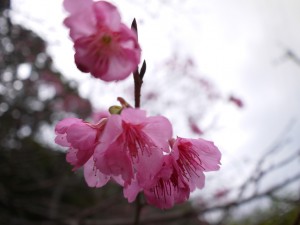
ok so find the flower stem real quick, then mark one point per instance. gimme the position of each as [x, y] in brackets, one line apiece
[137, 88]
[138, 75]
[138, 209]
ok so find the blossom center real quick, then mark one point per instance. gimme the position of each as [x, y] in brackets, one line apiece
[137, 140]
[189, 160]
[166, 187]
[106, 39]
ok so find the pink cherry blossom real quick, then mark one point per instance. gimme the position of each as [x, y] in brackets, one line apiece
[181, 172]
[80, 137]
[132, 145]
[104, 46]
[168, 187]
[193, 157]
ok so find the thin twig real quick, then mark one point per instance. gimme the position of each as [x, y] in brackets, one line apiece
[266, 193]
[137, 88]
[138, 209]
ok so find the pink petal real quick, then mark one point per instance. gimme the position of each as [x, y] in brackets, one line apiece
[78, 158]
[62, 126]
[97, 116]
[133, 116]
[71, 157]
[112, 131]
[131, 191]
[81, 21]
[61, 139]
[82, 136]
[209, 154]
[113, 161]
[119, 67]
[197, 181]
[159, 129]
[93, 177]
[75, 6]
[148, 166]
[107, 14]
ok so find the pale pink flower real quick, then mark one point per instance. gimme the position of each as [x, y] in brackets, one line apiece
[104, 46]
[132, 145]
[80, 137]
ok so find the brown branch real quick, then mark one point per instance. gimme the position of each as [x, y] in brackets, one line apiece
[139, 207]
[137, 88]
[266, 193]
[257, 172]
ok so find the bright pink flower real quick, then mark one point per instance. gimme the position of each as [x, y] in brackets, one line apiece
[193, 157]
[104, 46]
[81, 138]
[182, 172]
[168, 187]
[132, 145]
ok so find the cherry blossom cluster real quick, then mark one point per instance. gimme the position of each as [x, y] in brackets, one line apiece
[125, 145]
[139, 153]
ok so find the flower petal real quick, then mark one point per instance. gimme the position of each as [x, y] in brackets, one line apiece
[131, 191]
[93, 177]
[81, 20]
[113, 161]
[62, 126]
[208, 153]
[82, 136]
[159, 129]
[107, 14]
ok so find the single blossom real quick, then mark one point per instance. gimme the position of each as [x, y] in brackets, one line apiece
[132, 146]
[181, 172]
[168, 187]
[80, 137]
[193, 157]
[104, 46]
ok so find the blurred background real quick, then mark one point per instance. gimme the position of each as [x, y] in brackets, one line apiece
[226, 71]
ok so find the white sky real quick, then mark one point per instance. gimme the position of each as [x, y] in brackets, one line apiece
[238, 44]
